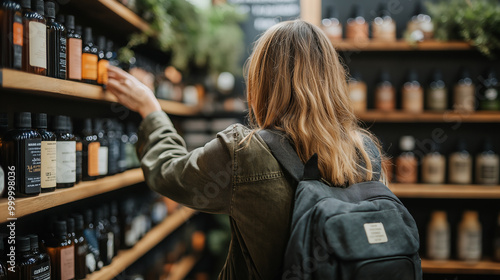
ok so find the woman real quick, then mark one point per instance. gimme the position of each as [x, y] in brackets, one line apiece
[295, 85]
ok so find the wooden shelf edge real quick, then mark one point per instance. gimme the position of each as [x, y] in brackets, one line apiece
[28, 205]
[182, 268]
[460, 267]
[127, 257]
[445, 191]
[442, 117]
[399, 45]
[179, 109]
[127, 14]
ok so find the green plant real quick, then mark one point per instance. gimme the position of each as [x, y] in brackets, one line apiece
[474, 21]
[205, 39]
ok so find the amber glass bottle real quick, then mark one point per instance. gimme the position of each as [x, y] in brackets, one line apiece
[35, 38]
[62, 256]
[90, 159]
[102, 69]
[74, 50]
[89, 58]
[11, 23]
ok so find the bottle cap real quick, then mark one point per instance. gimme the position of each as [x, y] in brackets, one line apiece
[78, 222]
[97, 125]
[357, 11]
[437, 75]
[59, 123]
[331, 12]
[33, 241]
[40, 7]
[461, 145]
[98, 215]
[488, 145]
[385, 76]
[59, 228]
[114, 208]
[407, 143]
[23, 243]
[88, 35]
[419, 8]
[106, 211]
[383, 11]
[434, 147]
[26, 4]
[70, 222]
[412, 75]
[69, 125]
[464, 74]
[101, 43]
[439, 215]
[88, 216]
[50, 8]
[40, 120]
[109, 45]
[87, 126]
[356, 76]
[469, 214]
[22, 120]
[60, 19]
[70, 22]
[78, 29]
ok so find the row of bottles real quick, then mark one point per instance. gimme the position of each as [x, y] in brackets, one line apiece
[433, 165]
[44, 159]
[82, 242]
[435, 97]
[419, 28]
[35, 41]
[469, 238]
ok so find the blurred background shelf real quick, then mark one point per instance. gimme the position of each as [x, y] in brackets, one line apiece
[445, 191]
[437, 117]
[127, 257]
[460, 267]
[28, 205]
[400, 45]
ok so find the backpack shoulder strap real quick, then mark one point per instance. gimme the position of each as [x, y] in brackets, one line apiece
[284, 153]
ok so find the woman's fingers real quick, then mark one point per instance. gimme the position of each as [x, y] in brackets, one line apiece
[118, 72]
[117, 87]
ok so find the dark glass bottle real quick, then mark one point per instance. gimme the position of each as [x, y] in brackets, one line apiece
[106, 211]
[48, 153]
[74, 51]
[102, 67]
[90, 159]
[66, 153]
[489, 92]
[133, 161]
[127, 215]
[114, 147]
[89, 58]
[81, 248]
[104, 147]
[25, 261]
[21, 148]
[41, 269]
[102, 236]
[92, 261]
[34, 38]
[53, 36]
[61, 252]
[115, 226]
[63, 48]
[111, 54]
[11, 22]
[78, 155]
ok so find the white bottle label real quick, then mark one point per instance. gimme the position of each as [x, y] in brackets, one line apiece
[469, 245]
[38, 44]
[67, 263]
[103, 160]
[66, 161]
[438, 247]
[49, 164]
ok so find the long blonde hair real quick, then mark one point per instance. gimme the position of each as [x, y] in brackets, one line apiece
[296, 84]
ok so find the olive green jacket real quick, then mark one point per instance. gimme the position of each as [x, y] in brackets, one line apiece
[226, 176]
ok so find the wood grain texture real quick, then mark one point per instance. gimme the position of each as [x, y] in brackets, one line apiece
[400, 45]
[127, 257]
[438, 117]
[445, 191]
[460, 267]
[28, 205]
[125, 13]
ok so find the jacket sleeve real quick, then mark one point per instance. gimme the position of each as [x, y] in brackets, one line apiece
[201, 179]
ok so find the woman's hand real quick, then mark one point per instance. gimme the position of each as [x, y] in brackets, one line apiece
[131, 93]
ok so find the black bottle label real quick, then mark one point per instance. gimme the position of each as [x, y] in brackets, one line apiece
[17, 41]
[62, 58]
[41, 272]
[33, 153]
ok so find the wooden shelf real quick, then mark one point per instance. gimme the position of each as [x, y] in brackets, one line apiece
[127, 257]
[460, 267]
[182, 268]
[445, 191]
[36, 84]
[28, 205]
[438, 117]
[400, 45]
[113, 15]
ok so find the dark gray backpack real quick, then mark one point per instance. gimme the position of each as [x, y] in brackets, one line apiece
[362, 232]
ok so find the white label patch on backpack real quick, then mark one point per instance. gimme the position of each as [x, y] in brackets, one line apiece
[375, 233]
